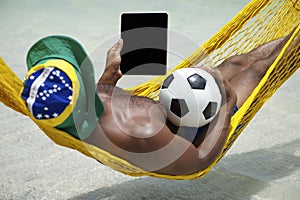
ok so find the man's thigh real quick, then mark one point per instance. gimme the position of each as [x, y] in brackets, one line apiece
[244, 83]
[234, 65]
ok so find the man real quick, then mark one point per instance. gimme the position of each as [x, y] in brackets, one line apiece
[130, 127]
[237, 77]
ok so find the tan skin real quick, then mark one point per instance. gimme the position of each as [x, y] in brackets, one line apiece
[135, 129]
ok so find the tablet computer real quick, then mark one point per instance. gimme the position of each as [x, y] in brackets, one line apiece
[145, 37]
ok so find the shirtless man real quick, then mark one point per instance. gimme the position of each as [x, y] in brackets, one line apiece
[135, 128]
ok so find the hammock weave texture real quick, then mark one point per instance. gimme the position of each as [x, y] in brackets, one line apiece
[259, 22]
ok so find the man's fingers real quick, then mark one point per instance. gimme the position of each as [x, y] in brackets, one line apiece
[117, 47]
[113, 55]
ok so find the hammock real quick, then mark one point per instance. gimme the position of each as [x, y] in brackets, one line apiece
[259, 22]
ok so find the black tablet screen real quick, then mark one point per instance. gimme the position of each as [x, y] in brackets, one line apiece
[145, 43]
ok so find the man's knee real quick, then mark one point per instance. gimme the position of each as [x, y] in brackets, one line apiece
[260, 68]
[237, 60]
[234, 65]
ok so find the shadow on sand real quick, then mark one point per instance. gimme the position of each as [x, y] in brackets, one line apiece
[235, 177]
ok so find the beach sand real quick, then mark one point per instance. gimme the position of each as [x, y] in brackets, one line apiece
[262, 164]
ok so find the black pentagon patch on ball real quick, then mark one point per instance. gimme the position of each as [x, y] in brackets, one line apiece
[196, 81]
[167, 81]
[179, 107]
[210, 110]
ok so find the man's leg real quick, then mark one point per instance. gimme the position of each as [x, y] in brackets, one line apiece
[234, 65]
[246, 81]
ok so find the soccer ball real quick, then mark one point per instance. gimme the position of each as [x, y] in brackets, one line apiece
[191, 97]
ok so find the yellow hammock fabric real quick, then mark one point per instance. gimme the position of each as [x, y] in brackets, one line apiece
[259, 22]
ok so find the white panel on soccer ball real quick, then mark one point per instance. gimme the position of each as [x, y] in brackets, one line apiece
[179, 85]
[193, 101]
[164, 98]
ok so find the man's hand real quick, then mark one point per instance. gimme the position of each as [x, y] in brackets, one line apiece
[112, 72]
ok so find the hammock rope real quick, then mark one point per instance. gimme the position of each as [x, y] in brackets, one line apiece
[259, 22]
